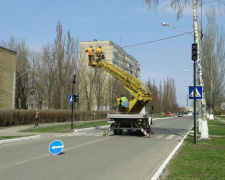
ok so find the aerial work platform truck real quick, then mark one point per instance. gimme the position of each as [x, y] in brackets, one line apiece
[132, 117]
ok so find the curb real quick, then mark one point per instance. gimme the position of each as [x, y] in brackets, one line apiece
[19, 139]
[160, 170]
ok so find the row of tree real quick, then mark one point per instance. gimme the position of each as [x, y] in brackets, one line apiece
[213, 62]
[45, 79]
[213, 47]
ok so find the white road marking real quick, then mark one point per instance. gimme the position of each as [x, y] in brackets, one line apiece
[170, 136]
[81, 134]
[160, 136]
[39, 157]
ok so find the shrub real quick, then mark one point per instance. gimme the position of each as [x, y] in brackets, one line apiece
[21, 117]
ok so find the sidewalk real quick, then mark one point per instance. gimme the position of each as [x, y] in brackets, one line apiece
[14, 131]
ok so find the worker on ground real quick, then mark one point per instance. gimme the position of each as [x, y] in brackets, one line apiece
[90, 54]
[123, 103]
[99, 53]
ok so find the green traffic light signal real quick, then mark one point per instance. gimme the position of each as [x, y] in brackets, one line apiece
[194, 54]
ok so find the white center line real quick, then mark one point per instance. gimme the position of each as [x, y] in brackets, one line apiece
[39, 157]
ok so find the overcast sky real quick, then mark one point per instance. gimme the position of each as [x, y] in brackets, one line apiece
[125, 22]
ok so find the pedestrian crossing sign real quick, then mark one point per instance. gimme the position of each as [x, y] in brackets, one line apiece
[198, 92]
[71, 98]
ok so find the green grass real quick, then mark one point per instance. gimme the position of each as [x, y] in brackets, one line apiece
[203, 160]
[9, 137]
[159, 116]
[220, 117]
[216, 128]
[65, 128]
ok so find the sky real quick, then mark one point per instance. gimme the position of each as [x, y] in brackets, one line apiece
[124, 22]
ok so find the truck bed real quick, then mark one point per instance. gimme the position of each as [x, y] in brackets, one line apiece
[126, 116]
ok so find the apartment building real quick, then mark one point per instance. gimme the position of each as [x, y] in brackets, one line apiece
[114, 54]
[7, 78]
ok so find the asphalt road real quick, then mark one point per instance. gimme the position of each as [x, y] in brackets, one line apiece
[89, 155]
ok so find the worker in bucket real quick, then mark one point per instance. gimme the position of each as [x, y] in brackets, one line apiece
[90, 52]
[99, 53]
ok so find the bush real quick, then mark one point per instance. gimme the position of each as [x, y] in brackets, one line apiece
[21, 117]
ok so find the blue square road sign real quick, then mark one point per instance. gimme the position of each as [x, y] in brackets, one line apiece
[198, 92]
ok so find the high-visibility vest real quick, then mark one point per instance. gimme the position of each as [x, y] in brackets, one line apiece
[123, 99]
[90, 52]
[99, 50]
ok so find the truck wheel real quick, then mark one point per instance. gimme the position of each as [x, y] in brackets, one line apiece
[117, 132]
[139, 133]
[120, 132]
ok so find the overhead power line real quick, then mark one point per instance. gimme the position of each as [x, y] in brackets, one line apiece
[156, 40]
[23, 20]
[132, 45]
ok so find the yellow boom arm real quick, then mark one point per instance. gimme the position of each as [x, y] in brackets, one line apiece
[138, 89]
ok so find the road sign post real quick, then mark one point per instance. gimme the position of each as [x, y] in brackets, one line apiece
[195, 92]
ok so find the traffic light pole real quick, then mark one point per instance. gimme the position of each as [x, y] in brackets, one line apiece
[195, 58]
[195, 128]
[72, 113]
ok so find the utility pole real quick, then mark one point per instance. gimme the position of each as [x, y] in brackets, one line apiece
[197, 39]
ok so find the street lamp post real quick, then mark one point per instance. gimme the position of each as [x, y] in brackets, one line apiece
[165, 24]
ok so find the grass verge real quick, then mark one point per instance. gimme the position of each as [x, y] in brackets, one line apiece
[203, 160]
[9, 137]
[65, 128]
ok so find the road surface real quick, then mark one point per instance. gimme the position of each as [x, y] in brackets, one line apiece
[87, 155]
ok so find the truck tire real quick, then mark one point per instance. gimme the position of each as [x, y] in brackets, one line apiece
[117, 132]
[139, 133]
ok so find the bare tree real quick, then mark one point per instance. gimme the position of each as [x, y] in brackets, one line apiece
[178, 6]
[54, 71]
[169, 102]
[23, 88]
[59, 57]
[2, 92]
[164, 96]
[213, 62]
[155, 101]
[22, 81]
[87, 84]
[45, 75]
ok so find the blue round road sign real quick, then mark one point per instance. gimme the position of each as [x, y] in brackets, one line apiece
[56, 147]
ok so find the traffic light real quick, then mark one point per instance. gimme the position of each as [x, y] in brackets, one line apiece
[194, 53]
[75, 98]
[74, 79]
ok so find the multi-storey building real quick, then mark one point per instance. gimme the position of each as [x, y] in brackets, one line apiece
[114, 54]
[7, 78]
